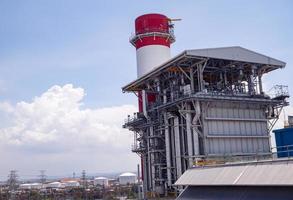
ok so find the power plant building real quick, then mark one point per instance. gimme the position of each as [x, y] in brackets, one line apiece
[203, 105]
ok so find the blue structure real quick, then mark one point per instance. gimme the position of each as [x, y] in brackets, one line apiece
[284, 142]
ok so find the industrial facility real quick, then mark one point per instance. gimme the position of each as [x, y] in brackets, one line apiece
[203, 106]
[124, 186]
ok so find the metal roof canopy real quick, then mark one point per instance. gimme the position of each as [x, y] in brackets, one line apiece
[277, 173]
[235, 53]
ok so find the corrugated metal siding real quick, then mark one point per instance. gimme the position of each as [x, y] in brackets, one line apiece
[235, 128]
[225, 53]
[251, 174]
[237, 193]
[235, 53]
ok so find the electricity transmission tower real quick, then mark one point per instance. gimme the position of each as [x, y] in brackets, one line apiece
[12, 180]
[12, 183]
[84, 183]
[43, 176]
[83, 178]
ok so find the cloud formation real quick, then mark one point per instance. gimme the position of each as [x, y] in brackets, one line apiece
[55, 123]
[55, 132]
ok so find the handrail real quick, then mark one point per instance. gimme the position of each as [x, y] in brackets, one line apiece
[257, 157]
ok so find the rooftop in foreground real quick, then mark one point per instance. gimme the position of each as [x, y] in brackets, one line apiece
[261, 173]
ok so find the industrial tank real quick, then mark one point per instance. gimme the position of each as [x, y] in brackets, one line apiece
[102, 181]
[127, 178]
[284, 141]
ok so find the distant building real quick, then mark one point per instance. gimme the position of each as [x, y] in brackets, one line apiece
[102, 181]
[127, 178]
[36, 186]
[25, 186]
[70, 184]
[29, 186]
[54, 185]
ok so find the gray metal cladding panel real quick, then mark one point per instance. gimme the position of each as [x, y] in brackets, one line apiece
[235, 128]
[237, 145]
[235, 110]
[246, 128]
[237, 193]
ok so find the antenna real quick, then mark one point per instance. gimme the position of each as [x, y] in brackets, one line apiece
[173, 20]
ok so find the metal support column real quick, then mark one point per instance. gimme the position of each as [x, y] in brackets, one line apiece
[153, 172]
[144, 103]
[200, 77]
[177, 147]
[195, 128]
[149, 161]
[191, 80]
[189, 136]
[260, 84]
[145, 177]
[168, 155]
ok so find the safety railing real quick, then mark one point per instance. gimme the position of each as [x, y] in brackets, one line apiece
[136, 116]
[279, 91]
[277, 153]
[283, 151]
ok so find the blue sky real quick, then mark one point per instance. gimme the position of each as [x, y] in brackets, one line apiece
[85, 43]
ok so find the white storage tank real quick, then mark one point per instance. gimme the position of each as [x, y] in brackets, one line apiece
[102, 181]
[31, 186]
[36, 186]
[127, 178]
[71, 184]
[54, 185]
[25, 186]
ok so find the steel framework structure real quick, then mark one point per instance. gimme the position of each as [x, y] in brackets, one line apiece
[209, 105]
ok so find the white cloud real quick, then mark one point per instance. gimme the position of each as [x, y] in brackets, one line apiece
[56, 126]
[6, 107]
[55, 132]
